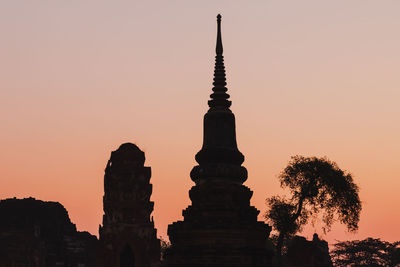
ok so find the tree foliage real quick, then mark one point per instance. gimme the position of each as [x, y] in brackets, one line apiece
[280, 215]
[164, 246]
[367, 252]
[317, 186]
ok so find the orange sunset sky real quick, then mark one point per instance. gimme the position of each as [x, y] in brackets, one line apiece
[310, 77]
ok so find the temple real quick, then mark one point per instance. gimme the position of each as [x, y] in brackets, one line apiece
[128, 237]
[220, 228]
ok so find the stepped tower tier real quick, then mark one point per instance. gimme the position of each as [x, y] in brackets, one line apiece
[220, 228]
[128, 237]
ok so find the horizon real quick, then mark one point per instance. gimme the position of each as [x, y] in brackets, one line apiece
[312, 79]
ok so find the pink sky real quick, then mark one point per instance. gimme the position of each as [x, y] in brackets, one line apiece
[314, 78]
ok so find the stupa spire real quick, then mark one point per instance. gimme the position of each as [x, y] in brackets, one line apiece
[219, 97]
[219, 228]
[219, 139]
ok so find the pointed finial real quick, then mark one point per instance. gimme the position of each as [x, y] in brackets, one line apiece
[219, 48]
[219, 97]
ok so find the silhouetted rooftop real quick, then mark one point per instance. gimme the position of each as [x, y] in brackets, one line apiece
[128, 153]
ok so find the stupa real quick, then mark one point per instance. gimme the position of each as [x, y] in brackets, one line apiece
[220, 227]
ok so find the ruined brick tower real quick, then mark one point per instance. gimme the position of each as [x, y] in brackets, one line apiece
[128, 237]
[220, 228]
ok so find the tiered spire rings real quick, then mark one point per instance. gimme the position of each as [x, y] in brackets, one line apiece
[219, 96]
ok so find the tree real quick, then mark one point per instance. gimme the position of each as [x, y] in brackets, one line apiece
[165, 246]
[317, 186]
[367, 252]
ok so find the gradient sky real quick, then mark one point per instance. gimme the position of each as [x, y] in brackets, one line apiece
[310, 77]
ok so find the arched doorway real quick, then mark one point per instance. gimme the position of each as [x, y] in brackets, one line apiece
[127, 257]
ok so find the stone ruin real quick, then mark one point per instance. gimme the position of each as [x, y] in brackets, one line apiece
[128, 237]
[35, 233]
[304, 253]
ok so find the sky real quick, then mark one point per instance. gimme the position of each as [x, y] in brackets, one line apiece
[313, 78]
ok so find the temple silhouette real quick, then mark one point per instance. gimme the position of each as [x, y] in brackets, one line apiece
[219, 228]
[128, 237]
